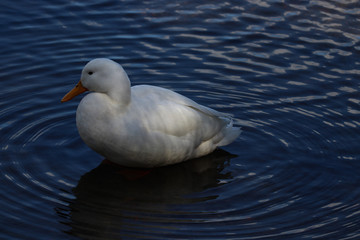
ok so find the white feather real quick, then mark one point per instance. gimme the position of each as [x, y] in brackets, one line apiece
[145, 126]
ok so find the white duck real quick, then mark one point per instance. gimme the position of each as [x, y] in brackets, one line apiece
[144, 126]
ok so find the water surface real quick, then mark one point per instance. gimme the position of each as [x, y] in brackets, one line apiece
[287, 70]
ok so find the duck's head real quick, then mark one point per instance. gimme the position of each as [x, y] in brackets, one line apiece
[99, 75]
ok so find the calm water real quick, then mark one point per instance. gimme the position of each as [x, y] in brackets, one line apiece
[288, 71]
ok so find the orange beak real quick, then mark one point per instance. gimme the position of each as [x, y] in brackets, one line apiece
[78, 89]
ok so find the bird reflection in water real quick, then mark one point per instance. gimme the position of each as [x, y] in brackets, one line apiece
[112, 200]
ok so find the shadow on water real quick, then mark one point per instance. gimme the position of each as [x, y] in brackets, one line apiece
[111, 200]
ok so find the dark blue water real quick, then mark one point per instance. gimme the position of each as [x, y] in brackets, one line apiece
[288, 71]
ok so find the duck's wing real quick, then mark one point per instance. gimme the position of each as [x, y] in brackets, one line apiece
[177, 115]
[227, 133]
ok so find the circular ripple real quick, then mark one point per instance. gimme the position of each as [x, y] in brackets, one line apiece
[286, 71]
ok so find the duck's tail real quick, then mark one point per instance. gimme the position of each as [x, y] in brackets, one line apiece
[230, 133]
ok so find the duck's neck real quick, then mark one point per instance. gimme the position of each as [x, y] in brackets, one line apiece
[121, 93]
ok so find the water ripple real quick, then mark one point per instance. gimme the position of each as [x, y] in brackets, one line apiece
[286, 71]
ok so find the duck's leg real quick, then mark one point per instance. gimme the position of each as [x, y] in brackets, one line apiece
[128, 173]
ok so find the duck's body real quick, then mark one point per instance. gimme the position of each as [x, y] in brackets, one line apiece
[145, 126]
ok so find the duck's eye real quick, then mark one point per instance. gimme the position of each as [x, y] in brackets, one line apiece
[90, 73]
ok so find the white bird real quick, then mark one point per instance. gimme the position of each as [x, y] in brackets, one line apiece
[144, 126]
